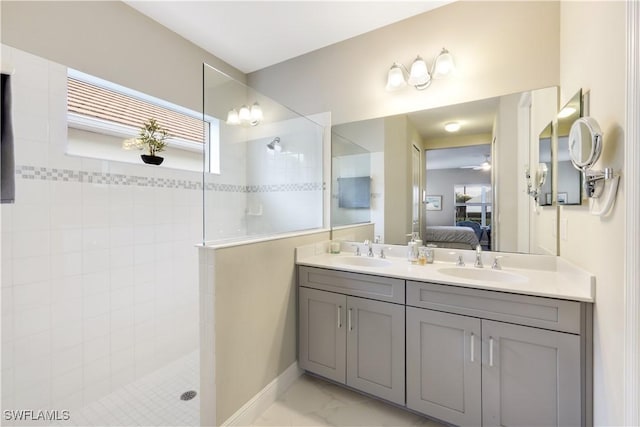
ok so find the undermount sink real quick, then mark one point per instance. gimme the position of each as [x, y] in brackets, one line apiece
[362, 261]
[483, 274]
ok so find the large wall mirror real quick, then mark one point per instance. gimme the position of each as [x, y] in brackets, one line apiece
[456, 188]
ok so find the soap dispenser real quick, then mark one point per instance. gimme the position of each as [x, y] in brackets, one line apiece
[412, 250]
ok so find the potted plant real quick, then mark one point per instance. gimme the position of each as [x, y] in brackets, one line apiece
[152, 137]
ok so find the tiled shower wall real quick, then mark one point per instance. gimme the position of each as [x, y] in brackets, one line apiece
[99, 267]
[285, 187]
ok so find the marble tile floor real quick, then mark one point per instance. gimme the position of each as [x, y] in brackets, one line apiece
[311, 401]
[153, 400]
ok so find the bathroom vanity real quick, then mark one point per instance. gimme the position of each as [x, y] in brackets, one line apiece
[466, 346]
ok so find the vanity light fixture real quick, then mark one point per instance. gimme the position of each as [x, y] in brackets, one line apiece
[419, 77]
[245, 115]
[452, 127]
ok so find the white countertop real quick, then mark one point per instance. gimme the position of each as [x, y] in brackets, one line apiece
[538, 275]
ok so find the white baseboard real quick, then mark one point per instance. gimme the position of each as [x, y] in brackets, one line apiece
[251, 410]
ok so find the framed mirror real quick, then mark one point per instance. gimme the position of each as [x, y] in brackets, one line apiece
[569, 178]
[544, 171]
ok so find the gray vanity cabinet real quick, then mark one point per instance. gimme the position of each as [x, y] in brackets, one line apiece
[323, 333]
[474, 357]
[534, 368]
[444, 366]
[530, 376]
[355, 341]
[375, 348]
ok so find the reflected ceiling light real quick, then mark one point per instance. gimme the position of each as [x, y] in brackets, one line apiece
[419, 77]
[566, 112]
[245, 115]
[452, 127]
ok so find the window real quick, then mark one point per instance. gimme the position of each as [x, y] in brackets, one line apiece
[104, 108]
[473, 203]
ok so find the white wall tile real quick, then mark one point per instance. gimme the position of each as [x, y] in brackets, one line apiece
[67, 240]
[96, 370]
[82, 277]
[67, 384]
[95, 261]
[95, 349]
[65, 360]
[122, 339]
[33, 347]
[66, 337]
[32, 295]
[32, 371]
[95, 283]
[122, 318]
[32, 269]
[32, 320]
[66, 216]
[95, 305]
[66, 265]
[66, 311]
[95, 327]
[69, 287]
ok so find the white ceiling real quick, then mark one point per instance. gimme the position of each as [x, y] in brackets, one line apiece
[452, 158]
[475, 117]
[251, 35]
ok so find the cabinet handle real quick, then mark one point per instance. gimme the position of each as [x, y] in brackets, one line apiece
[473, 350]
[349, 320]
[491, 351]
[339, 316]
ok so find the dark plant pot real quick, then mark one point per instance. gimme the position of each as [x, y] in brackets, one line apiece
[152, 160]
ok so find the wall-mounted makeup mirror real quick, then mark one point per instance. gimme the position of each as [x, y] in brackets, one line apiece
[544, 173]
[569, 178]
[585, 147]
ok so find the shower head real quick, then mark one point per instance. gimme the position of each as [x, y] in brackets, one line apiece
[275, 145]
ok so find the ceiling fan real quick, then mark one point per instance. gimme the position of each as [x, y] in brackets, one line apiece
[484, 166]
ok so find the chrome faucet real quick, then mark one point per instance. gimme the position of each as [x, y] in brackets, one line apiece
[356, 252]
[370, 245]
[478, 263]
[459, 261]
[496, 265]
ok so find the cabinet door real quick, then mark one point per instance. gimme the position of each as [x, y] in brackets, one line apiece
[530, 377]
[375, 348]
[322, 333]
[444, 366]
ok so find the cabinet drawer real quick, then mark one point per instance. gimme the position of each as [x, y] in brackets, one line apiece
[548, 313]
[360, 285]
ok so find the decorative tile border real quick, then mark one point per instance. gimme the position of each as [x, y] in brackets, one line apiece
[67, 175]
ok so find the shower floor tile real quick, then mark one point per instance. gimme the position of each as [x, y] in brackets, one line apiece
[153, 400]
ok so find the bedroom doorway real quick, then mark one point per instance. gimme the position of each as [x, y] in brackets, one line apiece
[458, 197]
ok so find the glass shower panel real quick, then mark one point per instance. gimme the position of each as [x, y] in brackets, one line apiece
[263, 168]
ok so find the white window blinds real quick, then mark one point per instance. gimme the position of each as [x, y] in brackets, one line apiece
[94, 101]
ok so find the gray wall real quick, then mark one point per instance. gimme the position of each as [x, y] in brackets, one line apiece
[499, 48]
[440, 182]
[113, 41]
